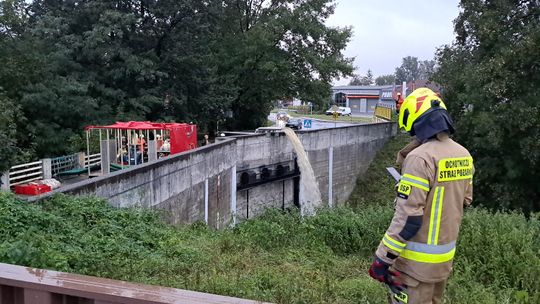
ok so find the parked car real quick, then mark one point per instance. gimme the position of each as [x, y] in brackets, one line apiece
[342, 111]
[295, 123]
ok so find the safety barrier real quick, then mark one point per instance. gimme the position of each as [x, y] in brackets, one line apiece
[65, 163]
[46, 168]
[383, 113]
[92, 160]
[25, 173]
[24, 285]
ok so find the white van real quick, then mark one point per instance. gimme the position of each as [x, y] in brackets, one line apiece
[342, 111]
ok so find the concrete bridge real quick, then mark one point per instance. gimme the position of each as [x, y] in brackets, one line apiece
[239, 177]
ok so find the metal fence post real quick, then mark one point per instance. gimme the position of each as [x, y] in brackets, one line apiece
[47, 169]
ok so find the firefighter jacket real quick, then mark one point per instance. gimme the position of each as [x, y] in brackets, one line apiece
[435, 184]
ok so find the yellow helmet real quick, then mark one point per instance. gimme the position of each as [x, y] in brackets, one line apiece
[417, 103]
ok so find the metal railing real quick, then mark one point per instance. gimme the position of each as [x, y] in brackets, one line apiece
[25, 173]
[64, 163]
[25, 285]
[46, 168]
[383, 113]
[92, 160]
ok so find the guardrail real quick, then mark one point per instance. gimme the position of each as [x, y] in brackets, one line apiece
[25, 173]
[65, 163]
[46, 168]
[25, 285]
[383, 113]
[92, 160]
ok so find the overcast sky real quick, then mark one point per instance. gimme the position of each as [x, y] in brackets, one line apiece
[385, 31]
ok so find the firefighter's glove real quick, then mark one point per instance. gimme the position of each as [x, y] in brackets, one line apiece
[380, 271]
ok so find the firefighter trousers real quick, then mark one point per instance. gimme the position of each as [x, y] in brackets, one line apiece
[419, 292]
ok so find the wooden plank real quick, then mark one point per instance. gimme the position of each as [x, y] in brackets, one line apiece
[32, 296]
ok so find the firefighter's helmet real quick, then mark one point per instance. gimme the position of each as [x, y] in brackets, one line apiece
[421, 101]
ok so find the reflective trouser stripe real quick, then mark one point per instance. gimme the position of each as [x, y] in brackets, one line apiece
[435, 218]
[392, 243]
[415, 181]
[432, 254]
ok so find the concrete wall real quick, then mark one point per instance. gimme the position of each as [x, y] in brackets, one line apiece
[345, 151]
[200, 185]
[176, 184]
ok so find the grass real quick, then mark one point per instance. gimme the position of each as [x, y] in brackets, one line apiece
[375, 187]
[278, 257]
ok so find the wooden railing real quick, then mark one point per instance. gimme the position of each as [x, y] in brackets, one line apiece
[24, 285]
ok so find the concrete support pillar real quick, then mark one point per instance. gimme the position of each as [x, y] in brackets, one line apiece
[112, 151]
[46, 168]
[80, 159]
[152, 150]
[233, 195]
[330, 175]
[4, 181]
[105, 157]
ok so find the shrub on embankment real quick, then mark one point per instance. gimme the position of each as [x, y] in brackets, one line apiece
[278, 257]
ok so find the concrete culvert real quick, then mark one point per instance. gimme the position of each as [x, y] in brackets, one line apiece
[280, 170]
[265, 173]
[244, 178]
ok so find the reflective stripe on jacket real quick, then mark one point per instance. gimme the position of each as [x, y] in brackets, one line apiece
[436, 183]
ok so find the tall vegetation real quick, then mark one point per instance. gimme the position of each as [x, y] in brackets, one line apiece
[491, 80]
[67, 64]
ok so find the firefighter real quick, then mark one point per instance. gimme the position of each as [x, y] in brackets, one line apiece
[414, 257]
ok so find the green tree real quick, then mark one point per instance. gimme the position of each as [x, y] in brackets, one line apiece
[408, 71]
[359, 80]
[491, 80]
[68, 64]
[426, 68]
[21, 63]
[385, 79]
[8, 149]
[271, 49]
[117, 60]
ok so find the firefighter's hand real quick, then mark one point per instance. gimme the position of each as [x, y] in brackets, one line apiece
[380, 271]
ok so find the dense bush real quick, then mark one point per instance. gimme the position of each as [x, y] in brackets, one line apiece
[278, 257]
